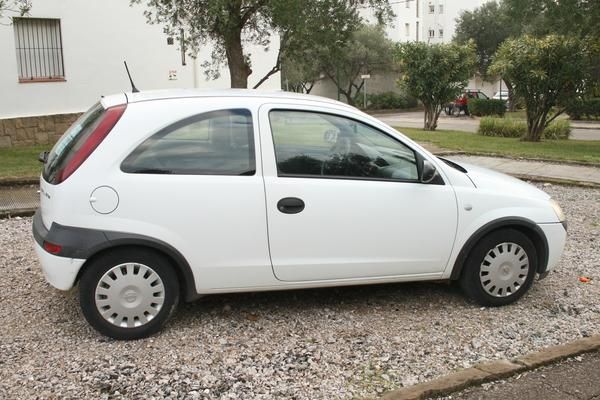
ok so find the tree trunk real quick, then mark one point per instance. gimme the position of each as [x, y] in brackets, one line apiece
[512, 106]
[430, 118]
[239, 70]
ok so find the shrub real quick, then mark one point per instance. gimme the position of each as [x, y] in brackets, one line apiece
[390, 100]
[516, 128]
[502, 127]
[483, 107]
[584, 108]
[560, 129]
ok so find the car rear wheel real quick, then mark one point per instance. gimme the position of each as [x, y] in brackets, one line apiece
[128, 293]
[500, 268]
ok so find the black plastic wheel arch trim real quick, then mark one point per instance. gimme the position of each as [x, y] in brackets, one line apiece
[84, 243]
[540, 242]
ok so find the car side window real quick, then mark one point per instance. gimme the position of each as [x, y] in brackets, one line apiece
[326, 145]
[212, 143]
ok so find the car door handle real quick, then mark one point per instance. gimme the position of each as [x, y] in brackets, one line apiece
[290, 205]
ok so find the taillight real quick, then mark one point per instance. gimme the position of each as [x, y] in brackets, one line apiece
[109, 120]
[52, 248]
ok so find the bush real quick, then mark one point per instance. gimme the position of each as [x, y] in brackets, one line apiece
[502, 127]
[483, 107]
[390, 101]
[515, 128]
[584, 108]
[560, 129]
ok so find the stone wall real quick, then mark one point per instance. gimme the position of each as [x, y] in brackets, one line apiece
[28, 131]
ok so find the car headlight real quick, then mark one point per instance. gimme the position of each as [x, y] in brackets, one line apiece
[559, 212]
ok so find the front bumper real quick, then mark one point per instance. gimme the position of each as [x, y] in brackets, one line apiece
[60, 272]
[556, 236]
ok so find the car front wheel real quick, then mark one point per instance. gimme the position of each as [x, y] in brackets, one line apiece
[500, 268]
[128, 293]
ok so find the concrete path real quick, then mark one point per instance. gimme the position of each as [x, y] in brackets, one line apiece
[574, 379]
[534, 169]
[581, 130]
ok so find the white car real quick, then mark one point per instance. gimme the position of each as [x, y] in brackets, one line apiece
[153, 197]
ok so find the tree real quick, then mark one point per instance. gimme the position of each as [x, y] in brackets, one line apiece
[232, 25]
[488, 26]
[18, 7]
[546, 72]
[368, 51]
[300, 75]
[578, 18]
[435, 74]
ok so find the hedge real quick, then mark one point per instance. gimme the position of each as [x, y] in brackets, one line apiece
[515, 128]
[584, 108]
[483, 107]
[390, 101]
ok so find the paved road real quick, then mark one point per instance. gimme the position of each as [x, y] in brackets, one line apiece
[574, 379]
[580, 130]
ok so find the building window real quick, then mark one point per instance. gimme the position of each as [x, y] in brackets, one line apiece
[407, 29]
[441, 8]
[38, 43]
[431, 9]
[441, 33]
[432, 33]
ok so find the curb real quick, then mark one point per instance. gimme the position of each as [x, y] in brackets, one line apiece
[21, 212]
[19, 181]
[494, 370]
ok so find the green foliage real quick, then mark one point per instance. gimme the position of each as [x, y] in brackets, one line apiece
[232, 26]
[484, 107]
[390, 101]
[502, 127]
[545, 72]
[435, 74]
[578, 18]
[516, 128]
[584, 108]
[488, 26]
[14, 7]
[368, 51]
[559, 129]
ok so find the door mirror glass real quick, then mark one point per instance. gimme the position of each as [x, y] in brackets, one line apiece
[428, 172]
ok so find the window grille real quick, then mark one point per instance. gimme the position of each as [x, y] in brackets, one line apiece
[38, 43]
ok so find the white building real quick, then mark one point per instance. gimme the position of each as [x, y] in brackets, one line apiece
[67, 53]
[431, 21]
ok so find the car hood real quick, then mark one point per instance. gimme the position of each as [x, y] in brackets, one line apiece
[485, 178]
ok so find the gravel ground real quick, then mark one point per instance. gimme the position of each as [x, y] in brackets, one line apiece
[311, 344]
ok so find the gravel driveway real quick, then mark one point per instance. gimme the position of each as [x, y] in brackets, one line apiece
[311, 344]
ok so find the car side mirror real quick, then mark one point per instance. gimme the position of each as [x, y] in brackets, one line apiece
[428, 172]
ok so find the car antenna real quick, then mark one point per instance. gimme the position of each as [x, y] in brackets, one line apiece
[133, 88]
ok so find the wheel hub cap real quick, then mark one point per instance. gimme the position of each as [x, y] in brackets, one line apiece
[129, 295]
[504, 269]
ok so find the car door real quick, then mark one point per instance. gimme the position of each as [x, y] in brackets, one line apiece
[197, 185]
[344, 200]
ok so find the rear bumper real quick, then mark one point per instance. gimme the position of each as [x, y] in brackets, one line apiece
[60, 272]
[556, 236]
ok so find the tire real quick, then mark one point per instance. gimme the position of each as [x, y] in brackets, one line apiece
[500, 268]
[135, 289]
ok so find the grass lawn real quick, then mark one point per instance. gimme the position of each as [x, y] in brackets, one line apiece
[21, 162]
[560, 150]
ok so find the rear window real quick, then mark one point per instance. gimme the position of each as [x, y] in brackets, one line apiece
[71, 141]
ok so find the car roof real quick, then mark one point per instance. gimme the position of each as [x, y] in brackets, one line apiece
[151, 95]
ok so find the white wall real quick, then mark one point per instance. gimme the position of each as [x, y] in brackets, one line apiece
[96, 37]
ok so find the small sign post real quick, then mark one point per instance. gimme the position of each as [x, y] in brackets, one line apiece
[364, 78]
